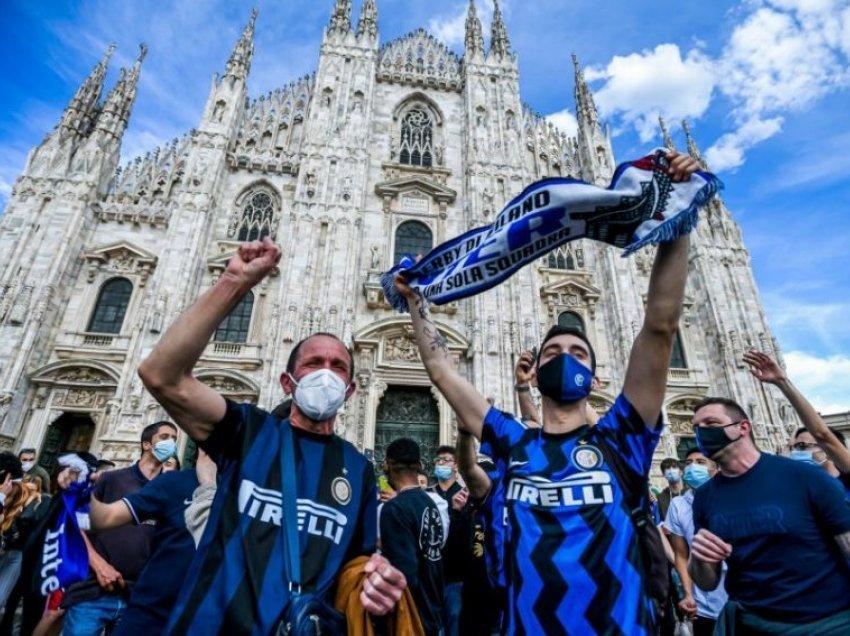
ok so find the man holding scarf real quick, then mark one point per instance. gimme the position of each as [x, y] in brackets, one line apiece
[238, 582]
[574, 558]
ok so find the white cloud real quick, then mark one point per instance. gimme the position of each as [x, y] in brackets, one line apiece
[641, 86]
[450, 29]
[824, 381]
[782, 57]
[727, 152]
[565, 121]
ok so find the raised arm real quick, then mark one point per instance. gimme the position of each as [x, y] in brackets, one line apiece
[107, 516]
[167, 371]
[524, 374]
[767, 370]
[474, 476]
[646, 375]
[466, 401]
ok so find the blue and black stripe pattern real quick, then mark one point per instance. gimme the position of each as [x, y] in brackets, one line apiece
[236, 584]
[572, 558]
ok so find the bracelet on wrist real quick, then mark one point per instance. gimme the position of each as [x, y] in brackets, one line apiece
[522, 388]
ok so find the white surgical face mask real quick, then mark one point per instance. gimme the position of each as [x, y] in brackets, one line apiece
[319, 394]
[27, 466]
[673, 475]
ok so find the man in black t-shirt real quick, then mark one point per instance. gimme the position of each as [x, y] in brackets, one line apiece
[117, 556]
[781, 526]
[412, 532]
[457, 543]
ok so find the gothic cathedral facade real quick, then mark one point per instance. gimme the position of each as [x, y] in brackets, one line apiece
[383, 150]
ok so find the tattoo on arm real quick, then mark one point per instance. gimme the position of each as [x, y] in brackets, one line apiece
[421, 305]
[436, 340]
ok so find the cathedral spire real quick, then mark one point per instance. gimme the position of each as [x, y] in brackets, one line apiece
[499, 43]
[693, 150]
[80, 110]
[368, 22]
[239, 62]
[116, 109]
[340, 17]
[665, 135]
[474, 39]
[585, 107]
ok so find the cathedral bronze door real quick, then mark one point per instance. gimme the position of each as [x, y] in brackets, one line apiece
[71, 432]
[407, 411]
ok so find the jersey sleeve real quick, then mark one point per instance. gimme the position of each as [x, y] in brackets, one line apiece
[500, 433]
[150, 501]
[226, 440]
[830, 503]
[629, 436]
[365, 540]
[401, 551]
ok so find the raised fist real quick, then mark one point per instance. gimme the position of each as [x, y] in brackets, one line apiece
[253, 261]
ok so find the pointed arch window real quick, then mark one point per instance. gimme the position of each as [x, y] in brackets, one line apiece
[235, 326]
[416, 148]
[412, 237]
[572, 320]
[677, 354]
[111, 306]
[258, 217]
[561, 260]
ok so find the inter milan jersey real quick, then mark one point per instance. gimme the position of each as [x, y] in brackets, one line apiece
[237, 582]
[573, 563]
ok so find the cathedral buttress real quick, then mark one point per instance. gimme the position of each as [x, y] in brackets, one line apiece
[594, 144]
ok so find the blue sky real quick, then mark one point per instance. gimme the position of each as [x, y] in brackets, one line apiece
[764, 83]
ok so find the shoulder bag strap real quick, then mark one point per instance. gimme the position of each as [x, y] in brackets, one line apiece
[289, 522]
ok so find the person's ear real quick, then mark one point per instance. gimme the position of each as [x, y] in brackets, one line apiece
[352, 387]
[595, 384]
[286, 383]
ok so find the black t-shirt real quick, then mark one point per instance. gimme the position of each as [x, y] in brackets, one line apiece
[456, 552]
[163, 500]
[412, 540]
[126, 548]
[781, 518]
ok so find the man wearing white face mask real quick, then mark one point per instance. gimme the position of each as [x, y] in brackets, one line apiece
[334, 484]
[672, 471]
[117, 556]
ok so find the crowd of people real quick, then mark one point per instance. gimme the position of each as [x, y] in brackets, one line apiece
[539, 524]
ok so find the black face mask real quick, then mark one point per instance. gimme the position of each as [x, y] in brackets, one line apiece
[712, 439]
[564, 379]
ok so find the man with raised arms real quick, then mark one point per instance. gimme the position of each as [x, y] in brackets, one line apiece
[574, 563]
[237, 583]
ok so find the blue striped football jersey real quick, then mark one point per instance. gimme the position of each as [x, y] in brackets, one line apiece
[237, 582]
[572, 559]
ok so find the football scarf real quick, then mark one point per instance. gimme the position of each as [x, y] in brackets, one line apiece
[61, 555]
[640, 207]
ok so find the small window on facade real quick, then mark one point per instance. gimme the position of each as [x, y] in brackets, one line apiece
[560, 259]
[677, 355]
[111, 306]
[257, 217]
[234, 327]
[572, 320]
[416, 148]
[414, 238]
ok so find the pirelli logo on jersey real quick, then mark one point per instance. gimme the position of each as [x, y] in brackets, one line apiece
[584, 489]
[266, 505]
